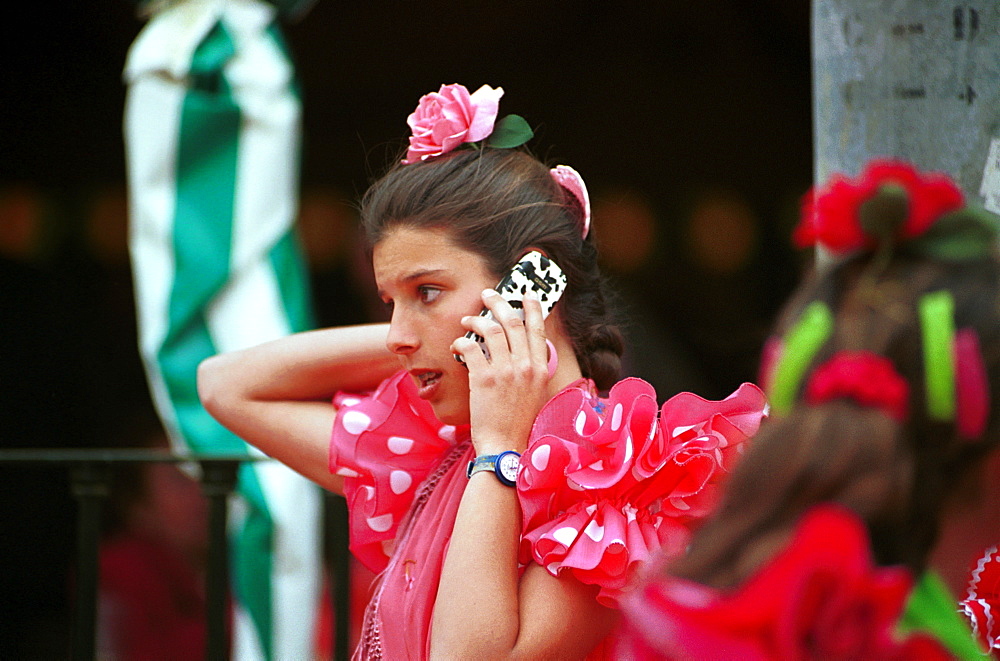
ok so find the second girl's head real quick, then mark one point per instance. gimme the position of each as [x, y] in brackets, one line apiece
[889, 362]
[482, 210]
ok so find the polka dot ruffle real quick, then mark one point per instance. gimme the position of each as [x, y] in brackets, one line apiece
[604, 485]
[384, 445]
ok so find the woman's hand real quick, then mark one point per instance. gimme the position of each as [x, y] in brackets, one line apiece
[506, 390]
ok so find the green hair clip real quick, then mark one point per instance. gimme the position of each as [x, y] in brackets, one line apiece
[937, 325]
[801, 343]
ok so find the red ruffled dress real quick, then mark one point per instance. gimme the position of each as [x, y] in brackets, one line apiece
[603, 485]
[982, 602]
[821, 598]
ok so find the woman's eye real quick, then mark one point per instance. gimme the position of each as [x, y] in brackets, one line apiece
[428, 294]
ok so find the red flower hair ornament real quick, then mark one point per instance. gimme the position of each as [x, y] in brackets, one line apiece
[890, 200]
[867, 378]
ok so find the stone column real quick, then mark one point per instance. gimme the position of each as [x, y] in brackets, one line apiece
[913, 79]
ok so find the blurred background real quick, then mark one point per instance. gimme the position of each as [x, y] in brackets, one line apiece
[690, 121]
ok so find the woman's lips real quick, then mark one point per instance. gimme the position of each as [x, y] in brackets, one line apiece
[427, 382]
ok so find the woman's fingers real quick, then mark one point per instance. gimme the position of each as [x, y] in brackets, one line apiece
[512, 336]
[534, 324]
[469, 349]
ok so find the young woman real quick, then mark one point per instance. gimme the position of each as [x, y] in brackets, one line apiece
[503, 500]
[885, 431]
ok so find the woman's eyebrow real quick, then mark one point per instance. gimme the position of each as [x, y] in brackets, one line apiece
[416, 275]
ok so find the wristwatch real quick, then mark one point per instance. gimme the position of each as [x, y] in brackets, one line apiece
[503, 465]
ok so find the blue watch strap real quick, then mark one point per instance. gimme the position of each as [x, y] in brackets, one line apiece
[495, 463]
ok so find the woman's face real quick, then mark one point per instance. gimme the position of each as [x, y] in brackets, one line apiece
[430, 284]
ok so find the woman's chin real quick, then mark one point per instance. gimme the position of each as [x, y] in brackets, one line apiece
[450, 415]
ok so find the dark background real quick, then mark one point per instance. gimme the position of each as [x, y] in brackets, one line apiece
[691, 122]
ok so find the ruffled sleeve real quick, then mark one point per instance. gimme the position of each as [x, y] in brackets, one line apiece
[384, 444]
[605, 484]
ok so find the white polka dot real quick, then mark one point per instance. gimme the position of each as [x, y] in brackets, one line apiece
[616, 417]
[400, 481]
[380, 523]
[355, 422]
[628, 448]
[369, 492]
[346, 472]
[573, 485]
[681, 429]
[540, 457]
[652, 430]
[679, 504]
[350, 401]
[447, 433]
[399, 445]
[581, 421]
[565, 536]
[594, 531]
[597, 465]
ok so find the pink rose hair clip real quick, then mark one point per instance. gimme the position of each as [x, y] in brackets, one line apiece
[452, 117]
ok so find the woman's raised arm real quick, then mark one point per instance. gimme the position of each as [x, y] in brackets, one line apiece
[277, 395]
[484, 609]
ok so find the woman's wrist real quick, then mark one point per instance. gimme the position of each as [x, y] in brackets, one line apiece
[495, 447]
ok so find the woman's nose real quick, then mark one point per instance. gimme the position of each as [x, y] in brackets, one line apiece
[401, 339]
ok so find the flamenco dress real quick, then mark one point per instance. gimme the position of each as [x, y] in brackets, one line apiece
[605, 483]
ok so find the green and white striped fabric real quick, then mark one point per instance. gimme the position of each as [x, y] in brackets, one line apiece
[212, 131]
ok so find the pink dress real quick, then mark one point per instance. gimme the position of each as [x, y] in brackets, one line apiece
[603, 485]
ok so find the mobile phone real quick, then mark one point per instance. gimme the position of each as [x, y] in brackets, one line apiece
[535, 272]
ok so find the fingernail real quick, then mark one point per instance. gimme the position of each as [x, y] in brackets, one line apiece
[489, 292]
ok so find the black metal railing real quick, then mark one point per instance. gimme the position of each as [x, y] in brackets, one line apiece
[91, 472]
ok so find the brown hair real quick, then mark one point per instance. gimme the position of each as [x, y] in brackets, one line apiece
[896, 475]
[498, 203]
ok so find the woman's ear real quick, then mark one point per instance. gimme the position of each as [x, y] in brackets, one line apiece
[532, 249]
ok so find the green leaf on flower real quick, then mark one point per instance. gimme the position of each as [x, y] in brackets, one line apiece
[511, 131]
[970, 233]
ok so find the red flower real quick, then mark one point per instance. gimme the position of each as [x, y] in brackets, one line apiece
[865, 377]
[820, 598]
[831, 215]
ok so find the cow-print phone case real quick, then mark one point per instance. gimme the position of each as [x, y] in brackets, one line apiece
[534, 272]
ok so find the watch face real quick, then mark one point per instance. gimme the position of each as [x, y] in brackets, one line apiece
[508, 466]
